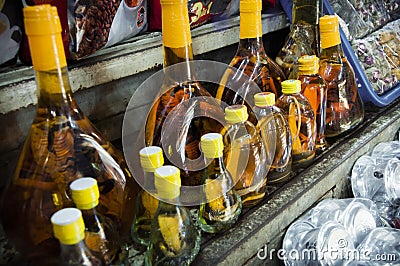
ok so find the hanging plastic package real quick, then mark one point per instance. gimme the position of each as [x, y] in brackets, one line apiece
[88, 26]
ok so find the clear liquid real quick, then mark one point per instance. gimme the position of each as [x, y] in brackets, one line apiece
[301, 120]
[174, 239]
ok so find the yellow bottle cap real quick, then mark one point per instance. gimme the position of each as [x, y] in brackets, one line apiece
[175, 23]
[85, 193]
[308, 64]
[212, 145]
[250, 6]
[263, 99]
[236, 114]
[43, 28]
[151, 158]
[329, 29]
[167, 180]
[291, 86]
[68, 226]
[250, 19]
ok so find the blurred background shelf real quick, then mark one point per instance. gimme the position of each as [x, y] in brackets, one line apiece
[138, 54]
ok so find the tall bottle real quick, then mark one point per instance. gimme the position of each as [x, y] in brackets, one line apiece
[101, 234]
[223, 204]
[174, 238]
[244, 155]
[344, 107]
[62, 145]
[69, 229]
[301, 120]
[314, 88]
[146, 203]
[274, 129]
[303, 38]
[251, 60]
[177, 48]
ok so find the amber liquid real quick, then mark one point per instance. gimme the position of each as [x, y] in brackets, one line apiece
[250, 60]
[303, 138]
[344, 109]
[174, 238]
[313, 87]
[62, 145]
[245, 160]
[277, 133]
[192, 127]
[102, 239]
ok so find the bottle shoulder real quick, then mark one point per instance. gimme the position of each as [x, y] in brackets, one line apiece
[337, 71]
[286, 100]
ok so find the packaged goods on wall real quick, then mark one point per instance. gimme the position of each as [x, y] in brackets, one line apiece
[89, 26]
[200, 12]
[10, 31]
[373, 56]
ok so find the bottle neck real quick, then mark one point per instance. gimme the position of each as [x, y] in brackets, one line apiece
[333, 54]
[176, 36]
[236, 125]
[253, 45]
[215, 168]
[50, 69]
[302, 31]
[149, 182]
[306, 11]
[331, 45]
[92, 220]
[76, 254]
[54, 88]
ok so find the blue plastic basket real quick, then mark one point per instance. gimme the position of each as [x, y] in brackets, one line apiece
[364, 87]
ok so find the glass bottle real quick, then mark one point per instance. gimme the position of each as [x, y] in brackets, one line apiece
[146, 203]
[101, 234]
[303, 38]
[244, 155]
[314, 88]
[301, 120]
[251, 60]
[274, 130]
[344, 107]
[174, 238]
[62, 145]
[223, 204]
[177, 48]
[69, 229]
